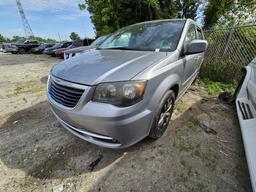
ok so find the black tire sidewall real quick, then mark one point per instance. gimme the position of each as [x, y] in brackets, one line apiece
[154, 132]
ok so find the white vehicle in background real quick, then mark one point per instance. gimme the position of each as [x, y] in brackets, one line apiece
[77, 51]
[246, 111]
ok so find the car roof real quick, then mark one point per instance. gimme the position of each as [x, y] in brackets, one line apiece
[161, 20]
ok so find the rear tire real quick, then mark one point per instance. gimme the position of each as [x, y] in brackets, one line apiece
[163, 115]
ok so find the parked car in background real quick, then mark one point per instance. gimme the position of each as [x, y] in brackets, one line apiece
[87, 41]
[77, 51]
[9, 48]
[76, 43]
[25, 47]
[246, 112]
[125, 90]
[41, 48]
[51, 50]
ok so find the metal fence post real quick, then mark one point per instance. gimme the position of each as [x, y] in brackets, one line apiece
[231, 32]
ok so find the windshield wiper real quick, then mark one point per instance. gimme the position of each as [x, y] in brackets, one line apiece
[119, 48]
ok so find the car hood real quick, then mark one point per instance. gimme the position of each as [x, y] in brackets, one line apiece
[79, 49]
[98, 66]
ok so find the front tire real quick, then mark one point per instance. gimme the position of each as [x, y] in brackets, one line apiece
[163, 115]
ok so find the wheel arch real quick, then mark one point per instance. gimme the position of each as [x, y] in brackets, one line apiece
[171, 82]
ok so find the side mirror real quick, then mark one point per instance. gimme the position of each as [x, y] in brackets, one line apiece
[197, 46]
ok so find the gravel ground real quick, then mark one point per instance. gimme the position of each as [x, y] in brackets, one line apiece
[200, 151]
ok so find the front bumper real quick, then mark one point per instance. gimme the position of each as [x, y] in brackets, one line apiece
[104, 124]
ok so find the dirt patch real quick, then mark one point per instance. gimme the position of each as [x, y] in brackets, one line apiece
[37, 154]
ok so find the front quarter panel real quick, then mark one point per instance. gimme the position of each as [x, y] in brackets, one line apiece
[161, 77]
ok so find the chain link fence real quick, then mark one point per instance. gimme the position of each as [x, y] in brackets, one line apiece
[229, 50]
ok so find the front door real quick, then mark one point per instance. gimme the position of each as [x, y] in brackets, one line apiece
[191, 60]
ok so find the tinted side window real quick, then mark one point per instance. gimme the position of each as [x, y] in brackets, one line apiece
[191, 34]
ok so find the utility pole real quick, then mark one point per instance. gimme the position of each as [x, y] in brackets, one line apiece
[26, 26]
[59, 36]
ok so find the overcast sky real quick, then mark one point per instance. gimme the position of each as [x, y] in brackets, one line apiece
[47, 18]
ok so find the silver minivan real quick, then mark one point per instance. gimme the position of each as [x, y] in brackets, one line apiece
[125, 90]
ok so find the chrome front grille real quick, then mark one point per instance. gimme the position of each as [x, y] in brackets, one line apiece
[64, 95]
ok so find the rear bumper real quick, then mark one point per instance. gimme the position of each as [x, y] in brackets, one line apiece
[59, 54]
[103, 124]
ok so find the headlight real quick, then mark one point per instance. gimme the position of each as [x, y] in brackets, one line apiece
[120, 94]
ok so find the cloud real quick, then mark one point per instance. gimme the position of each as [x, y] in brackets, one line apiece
[42, 5]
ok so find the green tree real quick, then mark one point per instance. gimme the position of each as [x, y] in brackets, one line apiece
[73, 36]
[110, 15]
[229, 13]
[188, 8]
[17, 38]
[2, 39]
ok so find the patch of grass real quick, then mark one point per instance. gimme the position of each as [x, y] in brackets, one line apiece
[180, 108]
[29, 87]
[195, 122]
[214, 88]
[190, 178]
[187, 167]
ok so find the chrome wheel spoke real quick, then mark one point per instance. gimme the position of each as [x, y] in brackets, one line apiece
[166, 114]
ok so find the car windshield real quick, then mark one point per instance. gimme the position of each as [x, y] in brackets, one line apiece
[57, 45]
[151, 36]
[99, 41]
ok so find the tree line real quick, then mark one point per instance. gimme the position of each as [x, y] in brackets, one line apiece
[110, 15]
[73, 36]
[17, 38]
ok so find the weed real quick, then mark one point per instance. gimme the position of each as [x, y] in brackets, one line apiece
[221, 71]
[214, 88]
[194, 122]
